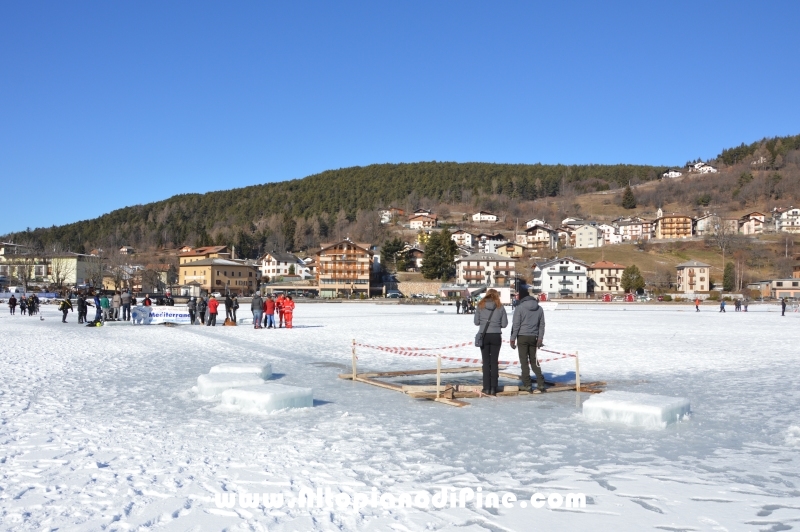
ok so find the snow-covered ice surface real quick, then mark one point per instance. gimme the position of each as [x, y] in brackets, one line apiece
[266, 398]
[636, 409]
[100, 428]
[213, 384]
[264, 370]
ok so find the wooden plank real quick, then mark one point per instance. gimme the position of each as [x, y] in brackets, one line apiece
[468, 369]
[432, 395]
[451, 402]
[395, 387]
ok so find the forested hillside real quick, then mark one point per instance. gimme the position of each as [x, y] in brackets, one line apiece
[301, 213]
[298, 212]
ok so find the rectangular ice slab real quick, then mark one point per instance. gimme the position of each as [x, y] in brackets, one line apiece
[637, 409]
[215, 383]
[267, 397]
[265, 370]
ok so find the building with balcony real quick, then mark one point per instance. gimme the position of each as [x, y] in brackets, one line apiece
[423, 221]
[605, 277]
[463, 238]
[484, 216]
[789, 221]
[220, 275]
[752, 223]
[536, 221]
[510, 249]
[485, 269]
[279, 264]
[345, 268]
[674, 226]
[539, 237]
[564, 277]
[693, 276]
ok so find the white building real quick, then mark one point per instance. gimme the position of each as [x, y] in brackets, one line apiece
[539, 237]
[277, 264]
[485, 269]
[634, 229]
[702, 168]
[706, 224]
[588, 236]
[536, 221]
[752, 223]
[463, 238]
[789, 221]
[672, 174]
[565, 277]
[484, 216]
[610, 234]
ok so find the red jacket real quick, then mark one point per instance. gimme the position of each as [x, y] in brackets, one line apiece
[288, 306]
[212, 306]
[269, 306]
[279, 303]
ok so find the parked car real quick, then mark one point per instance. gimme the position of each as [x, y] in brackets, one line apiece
[393, 294]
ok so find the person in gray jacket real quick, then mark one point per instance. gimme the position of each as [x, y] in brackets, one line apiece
[527, 329]
[126, 305]
[257, 307]
[491, 318]
[191, 306]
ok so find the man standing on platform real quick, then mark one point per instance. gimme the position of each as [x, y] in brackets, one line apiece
[527, 329]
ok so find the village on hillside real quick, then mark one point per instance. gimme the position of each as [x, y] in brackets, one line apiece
[545, 257]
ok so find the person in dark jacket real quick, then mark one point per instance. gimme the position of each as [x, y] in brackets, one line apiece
[783, 306]
[201, 309]
[191, 306]
[257, 307]
[228, 306]
[527, 330]
[66, 307]
[12, 304]
[234, 307]
[491, 318]
[98, 308]
[81, 302]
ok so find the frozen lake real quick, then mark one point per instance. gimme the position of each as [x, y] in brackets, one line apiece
[100, 427]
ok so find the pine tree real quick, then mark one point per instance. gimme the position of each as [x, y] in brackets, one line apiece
[632, 280]
[440, 254]
[728, 278]
[628, 199]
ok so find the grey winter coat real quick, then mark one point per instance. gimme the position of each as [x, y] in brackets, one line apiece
[201, 305]
[125, 298]
[499, 318]
[257, 304]
[191, 305]
[528, 319]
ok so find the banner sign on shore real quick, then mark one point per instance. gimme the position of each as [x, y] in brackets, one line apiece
[40, 295]
[141, 315]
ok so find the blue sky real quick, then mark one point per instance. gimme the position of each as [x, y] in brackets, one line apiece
[108, 104]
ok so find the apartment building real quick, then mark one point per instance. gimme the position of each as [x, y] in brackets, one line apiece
[693, 276]
[539, 237]
[561, 277]
[485, 269]
[605, 276]
[344, 268]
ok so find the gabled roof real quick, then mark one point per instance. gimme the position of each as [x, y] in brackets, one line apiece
[693, 264]
[487, 236]
[214, 262]
[606, 264]
[536, 227]
[461, 231]
[362, 247]
[484, 257]
[281, 256]
[551, 262]
[205, 250]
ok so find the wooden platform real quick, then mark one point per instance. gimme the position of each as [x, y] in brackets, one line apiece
[450, 393]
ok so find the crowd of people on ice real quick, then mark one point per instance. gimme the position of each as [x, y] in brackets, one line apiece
[27, 305]
[203, 311]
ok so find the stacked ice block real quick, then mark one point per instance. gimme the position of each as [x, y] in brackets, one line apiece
[636, 409]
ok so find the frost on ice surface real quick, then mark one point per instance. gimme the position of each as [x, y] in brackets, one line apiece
[637, 409]
[264, 370]
[213, 384]
[267, 397]
[793, 436]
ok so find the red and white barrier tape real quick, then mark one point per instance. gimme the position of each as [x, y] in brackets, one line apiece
[416, 352]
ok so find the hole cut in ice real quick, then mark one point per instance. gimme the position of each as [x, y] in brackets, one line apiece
[266, 397]
[636, 409]
[213, 384]
[264, 370]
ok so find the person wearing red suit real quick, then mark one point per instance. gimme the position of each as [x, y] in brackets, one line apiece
[279, 307]
[288, 311]
[213, 305]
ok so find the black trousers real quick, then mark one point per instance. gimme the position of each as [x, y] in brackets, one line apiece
[203, 317]
[191, 317]
[527, 360]
[64, 319]
[212, 319]
[491, 353]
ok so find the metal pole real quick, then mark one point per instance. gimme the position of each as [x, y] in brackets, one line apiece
[438, 374]
[354, 359]
[577, 374]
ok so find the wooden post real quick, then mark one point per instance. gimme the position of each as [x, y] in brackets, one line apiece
[438, 375]
[354, 359]
[577, 374]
